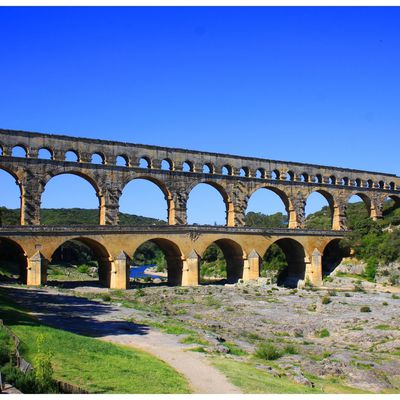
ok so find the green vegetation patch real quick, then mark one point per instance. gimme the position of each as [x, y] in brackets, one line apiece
[267, 351]
[252, 380]
[323, 333]
[96, 366]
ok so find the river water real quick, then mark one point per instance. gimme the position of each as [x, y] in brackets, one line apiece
[138, 271]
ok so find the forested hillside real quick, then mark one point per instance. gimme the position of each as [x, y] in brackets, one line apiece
[74, 216]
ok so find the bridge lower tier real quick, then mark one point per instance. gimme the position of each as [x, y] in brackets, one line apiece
[307, 252]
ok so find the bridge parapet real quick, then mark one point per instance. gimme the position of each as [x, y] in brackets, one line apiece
[191, 230]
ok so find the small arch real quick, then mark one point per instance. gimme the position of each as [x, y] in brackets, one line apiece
[170, 260]
[227, 170]
[358, 182]
[285, 258]
[332, 180]
[244, 171]
[208, 168]
[122, 160]
[19, 151]
[304, 177]
[333, 255]
[167, 164]
[13, 261]
[318, 178]
[85, 252]
[45, 154]
[345, 181]
[97, 158]
[187, 166]
[381, 185]
[71, 156]
[392, 186]
[145, 162]
[1, 149]
[275, 174]
[290, 176]
[260, 173]
[230, 268]
[370, 184]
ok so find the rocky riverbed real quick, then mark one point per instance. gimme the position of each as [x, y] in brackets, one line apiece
[352, 336]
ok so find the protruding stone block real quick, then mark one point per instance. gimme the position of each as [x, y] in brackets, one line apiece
[314, 268]
[120, 268]
[191, 267]
[251, 266]
[37, 270]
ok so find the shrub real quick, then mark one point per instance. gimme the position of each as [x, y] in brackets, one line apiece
[140, 292]
[6, 347]
[347, 295]
[322, 333]
[43, 368]
[394, 296]
[290, 349]
[83, 269]
[326, 300]
[394, 278]
[267, 351]
[106, 297]
[308, 284]
[332, 293]
[370, 269]
[326, 354]
[385, 303]
[27, 383]
[365, 309]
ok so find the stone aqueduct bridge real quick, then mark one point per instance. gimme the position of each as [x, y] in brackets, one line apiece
[236, 178]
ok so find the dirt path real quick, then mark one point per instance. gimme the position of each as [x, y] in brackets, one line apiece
[107, 322]
[202, 377]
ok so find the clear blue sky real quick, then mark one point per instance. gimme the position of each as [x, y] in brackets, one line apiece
[318, 85]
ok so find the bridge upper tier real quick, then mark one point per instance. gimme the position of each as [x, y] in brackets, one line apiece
[235, 177]
[84, 148]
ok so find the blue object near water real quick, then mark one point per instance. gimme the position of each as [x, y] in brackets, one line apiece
[138, 271]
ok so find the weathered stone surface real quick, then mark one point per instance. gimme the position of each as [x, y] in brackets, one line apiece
[292, 182]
